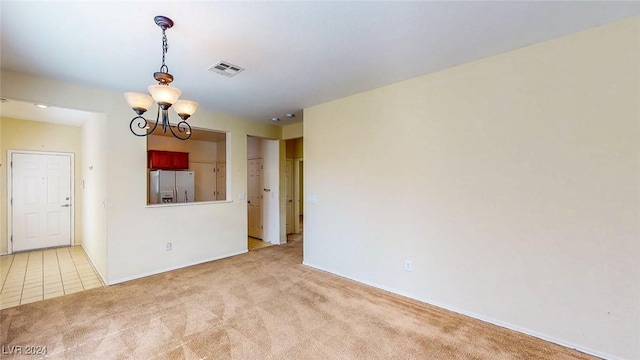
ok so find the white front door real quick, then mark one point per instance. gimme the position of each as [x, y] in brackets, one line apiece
[40, 200]
[255, 198]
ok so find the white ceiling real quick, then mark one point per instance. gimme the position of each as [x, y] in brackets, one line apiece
[296, 54]
[23, 110]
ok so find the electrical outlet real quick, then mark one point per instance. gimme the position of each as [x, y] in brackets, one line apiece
[408, 266]
[168, 247]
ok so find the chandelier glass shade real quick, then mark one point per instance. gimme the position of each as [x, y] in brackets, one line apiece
[164, 95]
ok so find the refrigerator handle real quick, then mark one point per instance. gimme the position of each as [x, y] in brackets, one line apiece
[175, 194]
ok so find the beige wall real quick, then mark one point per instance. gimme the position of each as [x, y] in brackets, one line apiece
[134, 234]
[40, 136]
[255, 148]
[295, 148]
[94, 175]
[511, 183]
[292, 131]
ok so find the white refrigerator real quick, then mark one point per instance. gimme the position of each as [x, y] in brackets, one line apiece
[167, 186]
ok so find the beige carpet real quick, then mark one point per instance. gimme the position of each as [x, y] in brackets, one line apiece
[260, 305]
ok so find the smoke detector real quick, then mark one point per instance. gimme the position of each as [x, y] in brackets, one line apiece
[226, 69]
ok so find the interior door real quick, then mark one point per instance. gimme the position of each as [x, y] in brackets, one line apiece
[288, 183]
[255, 198]
[205, 181]
[41, 200]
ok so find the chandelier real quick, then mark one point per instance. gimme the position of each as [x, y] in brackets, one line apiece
[164, 95]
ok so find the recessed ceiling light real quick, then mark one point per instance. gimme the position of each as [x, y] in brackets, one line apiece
[290, 115]
[42, 106]
[275, 119]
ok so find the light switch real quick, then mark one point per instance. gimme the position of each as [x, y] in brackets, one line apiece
[241, 196]
[313, 199]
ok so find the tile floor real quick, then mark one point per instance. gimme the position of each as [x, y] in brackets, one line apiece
[44, 274]
[257, 243]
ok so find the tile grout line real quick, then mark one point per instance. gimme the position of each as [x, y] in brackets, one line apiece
[4, 281]
[24, 279]
[77, 272]
[60, 272]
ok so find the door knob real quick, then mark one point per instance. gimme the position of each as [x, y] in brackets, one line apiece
[65, 205]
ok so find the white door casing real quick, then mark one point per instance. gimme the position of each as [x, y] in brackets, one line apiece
[40, 200]
[254, 204]
[298, 197]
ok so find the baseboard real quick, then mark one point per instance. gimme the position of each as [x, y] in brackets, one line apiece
[476, 316]
[155, 272]
[95, 268]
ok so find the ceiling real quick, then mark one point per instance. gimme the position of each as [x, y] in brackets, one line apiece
[23, 110]
[296, 54]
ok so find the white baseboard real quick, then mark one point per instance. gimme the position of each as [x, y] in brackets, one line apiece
[95, 268]
[477, 316]
[155, 272]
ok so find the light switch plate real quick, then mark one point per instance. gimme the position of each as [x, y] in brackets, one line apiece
[313, 199]
[241, 196]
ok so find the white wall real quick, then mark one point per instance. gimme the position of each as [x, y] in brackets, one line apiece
[94, 189]
[271, 201]
[511, 183]
[136, 234]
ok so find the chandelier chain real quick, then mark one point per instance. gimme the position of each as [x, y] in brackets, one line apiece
[165, 46]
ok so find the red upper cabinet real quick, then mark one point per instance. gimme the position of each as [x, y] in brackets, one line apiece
[168, 160]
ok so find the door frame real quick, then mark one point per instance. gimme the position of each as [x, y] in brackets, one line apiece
[296, 194]
[289, 190]
[10, 153]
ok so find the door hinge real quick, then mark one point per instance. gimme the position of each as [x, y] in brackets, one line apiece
[12, 238]
[11, 201]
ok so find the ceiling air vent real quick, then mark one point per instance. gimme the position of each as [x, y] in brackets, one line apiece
[226, 69]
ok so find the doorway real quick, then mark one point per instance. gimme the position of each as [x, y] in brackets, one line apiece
[294, 185]
[263, 192]
[254, 202]
[41, 202]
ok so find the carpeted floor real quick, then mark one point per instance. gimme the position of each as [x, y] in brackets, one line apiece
[260, 305]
